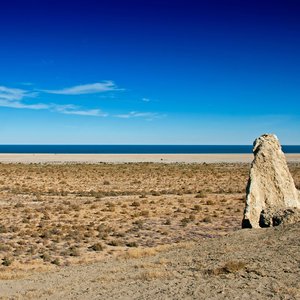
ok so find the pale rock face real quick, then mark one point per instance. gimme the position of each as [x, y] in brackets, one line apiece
[270, 186]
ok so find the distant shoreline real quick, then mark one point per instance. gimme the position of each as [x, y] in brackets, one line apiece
[133, 158]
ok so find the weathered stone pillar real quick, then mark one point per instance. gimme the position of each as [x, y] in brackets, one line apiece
[270, 187]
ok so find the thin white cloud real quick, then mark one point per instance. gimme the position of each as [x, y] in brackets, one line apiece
[91, 88]
[145, 99]
[134, 114]
[10, 97]
[89, 112]
[70, 109]
[14, 98]
[10, 94]
[16, 104]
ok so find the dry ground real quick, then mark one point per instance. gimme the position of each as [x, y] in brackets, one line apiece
[53, 216]
[247, 264]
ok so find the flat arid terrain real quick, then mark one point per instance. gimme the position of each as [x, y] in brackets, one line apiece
[133, 158]
[138, 230]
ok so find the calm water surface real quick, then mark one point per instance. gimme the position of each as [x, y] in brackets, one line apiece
[135, 149]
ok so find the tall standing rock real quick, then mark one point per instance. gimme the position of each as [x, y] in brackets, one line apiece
[270, 187]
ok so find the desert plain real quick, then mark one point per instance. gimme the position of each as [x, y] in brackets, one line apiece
[138, 230]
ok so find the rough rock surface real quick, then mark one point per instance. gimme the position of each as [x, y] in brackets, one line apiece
[270, 187]
[271, 217]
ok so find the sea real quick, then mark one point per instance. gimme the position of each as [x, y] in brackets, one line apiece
[136, 149]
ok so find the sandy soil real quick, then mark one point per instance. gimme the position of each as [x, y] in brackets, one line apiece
[249, 264]
[123, 158]
[138, 231]
[63, 214]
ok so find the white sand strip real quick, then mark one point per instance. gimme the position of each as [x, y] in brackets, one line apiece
[132, 158]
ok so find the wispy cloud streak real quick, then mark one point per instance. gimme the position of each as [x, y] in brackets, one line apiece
[14, 98]
[135, 114]
[92, 88]
[10, 94]
[18, 98]
[70, 109]
[14, 104]
[10, 97]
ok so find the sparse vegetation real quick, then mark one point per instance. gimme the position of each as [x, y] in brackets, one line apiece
[64, 214]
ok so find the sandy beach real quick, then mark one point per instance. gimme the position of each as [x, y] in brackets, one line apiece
[133, 158]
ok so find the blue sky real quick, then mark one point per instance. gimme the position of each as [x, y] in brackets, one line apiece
[149, 72]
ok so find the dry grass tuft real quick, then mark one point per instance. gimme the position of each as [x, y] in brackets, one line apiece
[150, 275]
[229, 267]
[138, 253]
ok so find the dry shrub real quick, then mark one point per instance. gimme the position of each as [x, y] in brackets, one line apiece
[97, 247]
[7, 261]
[144, 252]
[167, 222]
[139, 252]
[200, 194]
[229, 267]
[115, 243]
[185, 221]
[135, 204]
[197, 207]
[153, 274]
[207, 220]
[132, 244]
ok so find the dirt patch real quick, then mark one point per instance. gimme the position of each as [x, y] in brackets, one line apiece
[248, 264]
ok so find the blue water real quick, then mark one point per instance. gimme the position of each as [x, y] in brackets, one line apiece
[135, 149]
